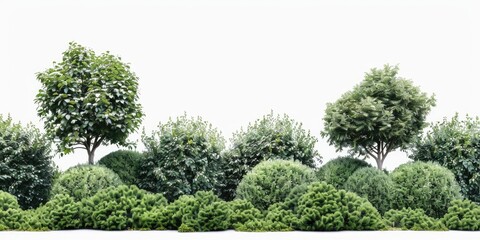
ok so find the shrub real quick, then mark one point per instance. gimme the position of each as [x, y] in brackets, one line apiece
[323, 208]
[272, 136]
[120, 208]
[462, 215]
[60, 213]
[242, 211]
[270, 182]
[411, 219]
[372, 184]
[428, 186]
[338, 170]
[279, 213]
[182, 157]
[10, 213]
[202, 212]
[26, 168]
[125, 163]
[84, 181]
[454, 144]
[263, 226]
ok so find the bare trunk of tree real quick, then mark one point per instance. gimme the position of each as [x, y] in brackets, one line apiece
[91, 147]
[91, 155]
[379, 153]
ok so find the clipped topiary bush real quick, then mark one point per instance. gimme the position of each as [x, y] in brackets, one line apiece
[60, 213]
[338, 170]
[125, 163]
[119, 208]
[271, 181]
[324, 208]
[26, 166]
[272, 136]
[202, 212]
[428, 186]
[182, 157]
[84, 181]
[462, 215]
[412, 219]
[372, 184]
[11, 216]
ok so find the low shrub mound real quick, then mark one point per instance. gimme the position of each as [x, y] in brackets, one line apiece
[271, 181]
[462, 215]
[242, 211]
[412, 219]
[124, 163]
[372, 184]
[60, 213]
[84, 181]
[120, 208]
[428, 186]
[338, 170]
[324, 208]
[11, 216]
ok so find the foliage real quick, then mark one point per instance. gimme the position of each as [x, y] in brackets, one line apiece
[202, 212]
[337, 171]
[120, 208]
[411, 219]
[26, 168]
[372, 184]
[125, 163]
[182, 157]
[323, 208]
[462, 215]
[242, 211]
[263, 226]
[88, 100]
[279, 213]
[272, 136]
[10, 212]
[383, 113]
[60, 213]
[270, 182]
[454, 144]
[428, 186]
[84, 181]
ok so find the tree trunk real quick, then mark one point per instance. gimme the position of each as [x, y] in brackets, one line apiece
[379, 164]
[91, 155]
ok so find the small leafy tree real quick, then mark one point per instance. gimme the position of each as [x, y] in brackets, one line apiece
[454, 144]
[26, 166]
[383, 113]
[88, 100]
[272, 136]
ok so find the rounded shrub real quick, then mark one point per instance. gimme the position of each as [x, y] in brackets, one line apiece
[84, 181]
[182, 157]
[324, 208]
[462, 215]
[270, 137]
[338, 170]
[428, 186]
[271, 181]
[125, 163]
[11, 216]
[372, 184]
[120, 208]
[26, 166]
[242, 211]
[60, 213]
[411, 219]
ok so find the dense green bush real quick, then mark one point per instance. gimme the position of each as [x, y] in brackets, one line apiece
[323, 208]
[271, 181]
[202, 212]
[411, 219]
[84, 181]
[120, 208]
[462, 215]
[263, 226]
[372, 184]
[182, 157]
[338, 170]
[242, 211]
[454, 144]
[272, 136]
[26, 168]
[428, 186]
[125, 163]
[61, 212]
[11, 216]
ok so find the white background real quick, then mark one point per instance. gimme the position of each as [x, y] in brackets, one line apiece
[233, 61]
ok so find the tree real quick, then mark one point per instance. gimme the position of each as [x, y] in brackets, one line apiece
[454, 144]
[88, 100]
[381, 114]
[26, 166]
[272, 136]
